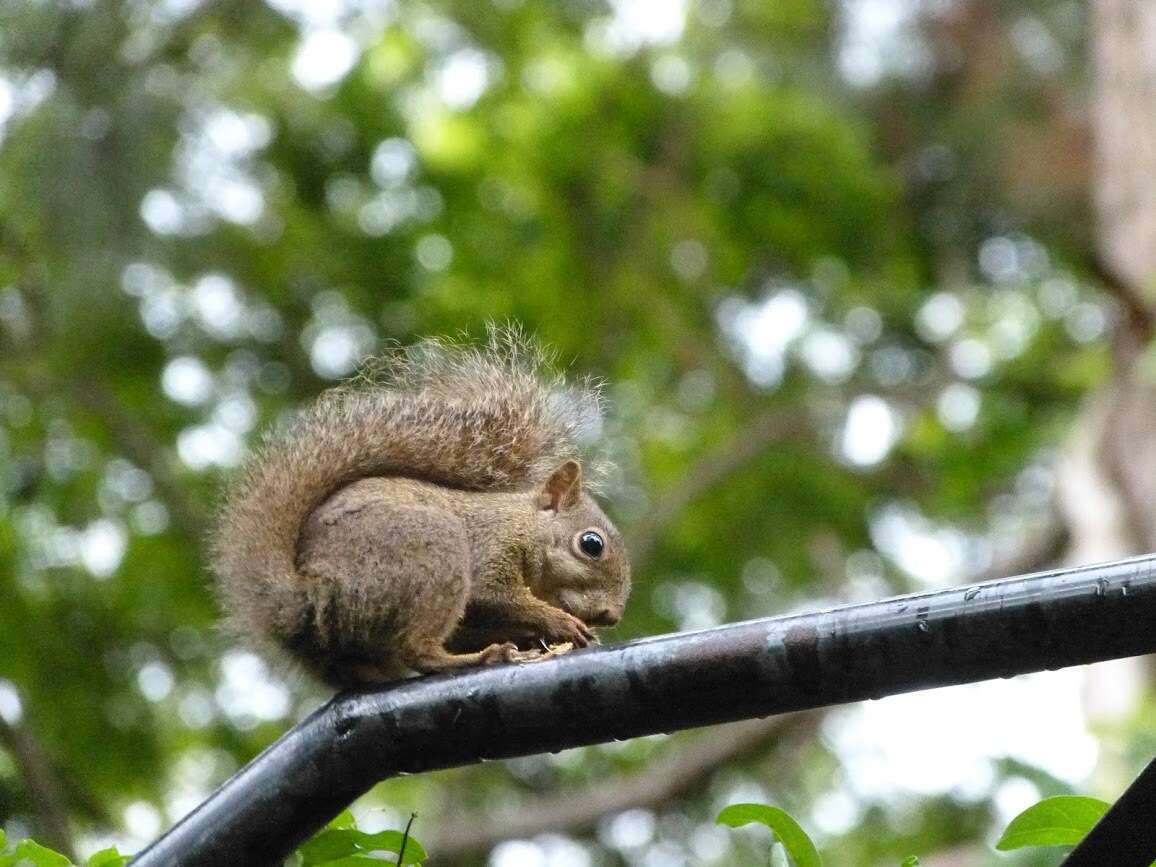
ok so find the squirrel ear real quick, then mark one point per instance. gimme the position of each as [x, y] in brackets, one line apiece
[561, 490]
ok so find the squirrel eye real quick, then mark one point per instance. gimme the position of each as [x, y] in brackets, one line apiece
[591, 544]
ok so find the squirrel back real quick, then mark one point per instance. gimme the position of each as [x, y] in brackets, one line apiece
[488, 418]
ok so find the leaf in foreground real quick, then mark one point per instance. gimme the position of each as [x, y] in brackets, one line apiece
[108, 858]
[789, 832]
[1060, 821]
[28, 852]
[336, 845]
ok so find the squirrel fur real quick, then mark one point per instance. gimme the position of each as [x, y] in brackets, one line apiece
[429, 515]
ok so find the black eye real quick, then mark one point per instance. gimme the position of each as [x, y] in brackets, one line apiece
[591, 544]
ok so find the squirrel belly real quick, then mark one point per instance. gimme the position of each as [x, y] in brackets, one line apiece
[430, 515]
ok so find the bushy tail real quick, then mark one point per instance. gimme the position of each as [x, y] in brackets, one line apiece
[478, 418]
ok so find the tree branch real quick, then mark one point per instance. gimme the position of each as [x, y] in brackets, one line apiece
[1138, 319]
[687, 769]
[42, 785]
[712, 469]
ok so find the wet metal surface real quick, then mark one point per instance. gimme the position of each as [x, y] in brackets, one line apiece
[752, 669]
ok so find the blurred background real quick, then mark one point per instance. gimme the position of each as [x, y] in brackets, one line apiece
[872, 283]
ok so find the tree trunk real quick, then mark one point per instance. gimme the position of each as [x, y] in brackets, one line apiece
[1123, 192]
[1123, 46]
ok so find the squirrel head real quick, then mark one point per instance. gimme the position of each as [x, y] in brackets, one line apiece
[583, 567]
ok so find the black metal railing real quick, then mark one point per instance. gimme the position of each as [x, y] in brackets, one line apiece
[761, 667]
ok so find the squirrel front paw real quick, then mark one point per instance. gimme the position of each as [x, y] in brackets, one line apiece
[561, 627]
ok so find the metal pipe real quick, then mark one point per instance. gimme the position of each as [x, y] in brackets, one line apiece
[761, 667]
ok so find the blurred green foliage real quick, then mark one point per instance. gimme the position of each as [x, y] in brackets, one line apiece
[839, 322]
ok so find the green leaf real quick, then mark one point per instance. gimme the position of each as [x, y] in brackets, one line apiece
[40, 856]
[1059, 821]
[108, 858]
[343, 820]
[794, 839]
[332, 846]
[390, 841]
[3, 839]
[910, 861]
[329, 846]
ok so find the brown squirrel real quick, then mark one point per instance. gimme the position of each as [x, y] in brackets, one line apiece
[429, 515]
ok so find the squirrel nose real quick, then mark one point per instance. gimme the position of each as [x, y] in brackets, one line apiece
[605, 617]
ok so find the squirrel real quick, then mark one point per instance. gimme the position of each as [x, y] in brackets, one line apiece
[431, 514]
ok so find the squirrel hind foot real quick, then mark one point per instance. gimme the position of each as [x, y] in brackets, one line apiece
[431, 661]
[435, 661]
